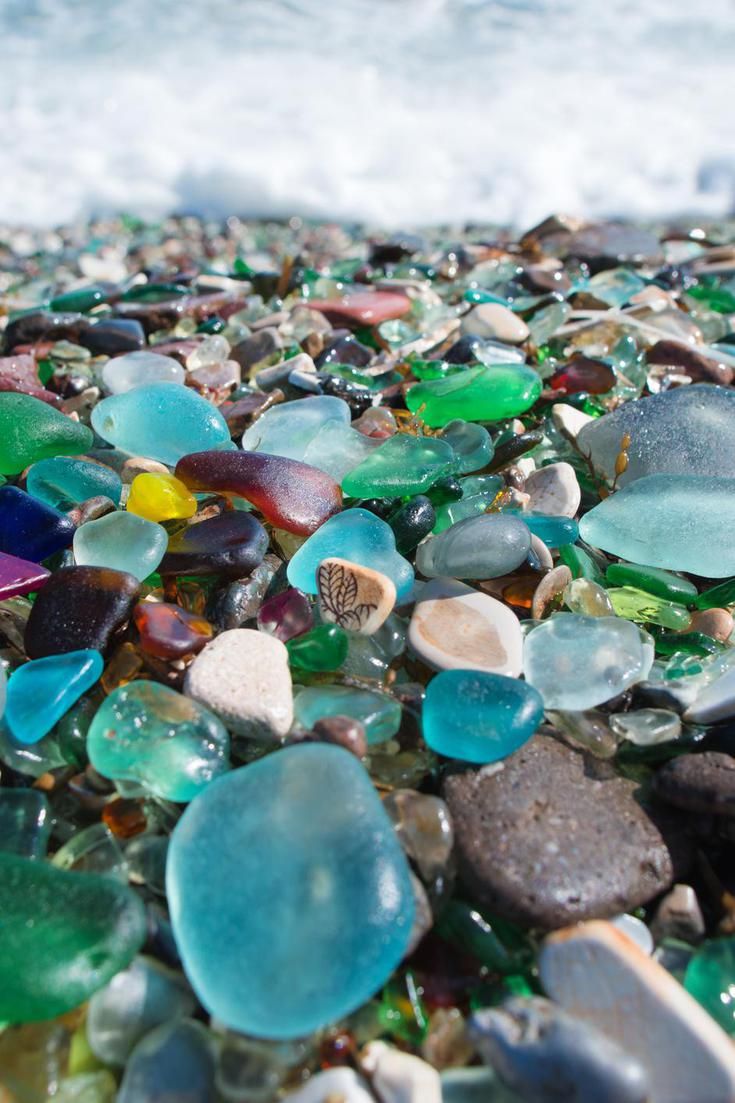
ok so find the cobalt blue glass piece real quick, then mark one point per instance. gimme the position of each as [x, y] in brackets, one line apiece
[31, 529]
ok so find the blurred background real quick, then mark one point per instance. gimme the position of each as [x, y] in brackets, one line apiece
[398, 112]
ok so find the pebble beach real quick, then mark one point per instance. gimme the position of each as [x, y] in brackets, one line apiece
[367, 662]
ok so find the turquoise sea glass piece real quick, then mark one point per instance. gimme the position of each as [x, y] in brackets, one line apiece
[379, 714]
[678, 522]
[63, 482]
[25, 822]
[479, 717]
[151, 734]
[304, 931]
[477, 547]
[577, 662]
[288, 429]
[472, 444]
[41, 691]
[359, 536]
[161, 421]
[403, 464]
[121, 541]
[555, 532]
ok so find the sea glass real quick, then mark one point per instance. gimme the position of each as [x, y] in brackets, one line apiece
[231, 544]
[19, 576]
[40, 692]
[642, 607]
[79, 608]
[30, 529]
[132, 369]
[710, 978]
[478, 717]
[286, 615]
[30, 430]
[488, 546]
[122, 542]
[404, 464]
[170, 632]
[663, 584]
[322, 648]
[175, 1061]
[379, 713]
[25, 823]
[63, 482]
[288, 429]
[158, 497]
[471, 443]
[476, 394]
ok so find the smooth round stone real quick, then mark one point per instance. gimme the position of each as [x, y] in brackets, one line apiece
[488, 546]
[356, 598]
[41, 691]
[139, 998]
[243, 677]
[710, 978]
[703, 783]
[175, 1061]
[717, 623]
[339, 1084]
[149, 733]
[231, 544]
[647, 727]
[496, 321]
[122, 373]
[550, 590]
[79, 608]
[472, 444]
[288, 429]
[640, 521]
[578, 662]
[358, 536]
[122, 542]
[64, 936]
[63, 482]
[160, 422]
[569, 420]
[479, 717]
[306, 928]
[402, 465]
[553, 490]
[379, 714]
[454, 627]
[31, 430]
[475, 394]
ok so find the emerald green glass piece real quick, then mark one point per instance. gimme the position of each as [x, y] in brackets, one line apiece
[647, 609]
[469, 930]
[323, 648]
[433, 369]
[64, 935]
[686, 643]
[403, 465]
[717, 597]
[718, 299]
[663, 584]
[79, 301]
[25, 822]
[710, 978]
[377, 712]
[476, 394]
[31, 430]
[401, 1012]
[580, 563]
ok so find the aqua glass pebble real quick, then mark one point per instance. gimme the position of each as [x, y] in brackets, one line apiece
[63, 482]
[710, 978]
[479, 717]
[402, 465]
[678, 522]
[358, 536]
[161, 421]
[379, 714]
[41, 691]
[472, 444]
[25, 822]
[488, 546]
[122, 373]
[476, 394]
[338, 449]
[305, 929]
[123, 542]
[149, 733]
[288, 429]
[555, 532]
[30, 529]
[577, 662]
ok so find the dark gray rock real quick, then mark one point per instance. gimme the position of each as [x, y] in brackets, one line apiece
[699, 783]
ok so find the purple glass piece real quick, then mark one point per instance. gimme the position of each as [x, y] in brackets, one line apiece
[19, 576]
[286, 615]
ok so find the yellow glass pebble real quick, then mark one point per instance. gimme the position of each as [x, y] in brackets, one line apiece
[160, 498]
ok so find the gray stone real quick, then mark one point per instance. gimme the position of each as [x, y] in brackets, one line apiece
[679, 916]
[699, 783]
[257, 349]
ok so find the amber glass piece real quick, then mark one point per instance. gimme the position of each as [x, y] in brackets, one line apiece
[124, 666]
[168, 631]
[125, 818]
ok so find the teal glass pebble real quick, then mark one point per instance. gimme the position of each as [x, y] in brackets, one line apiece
[63, 482]
[41, 691]
[162, 421]
[555, 532]
[402, 465]
[479, 717]
[288, 429]
[472, 444]
[488, 546]
[150, 734]
[710, 978]
[290, 896]
[25, 822]
[121, 541]
[677, 522]
[379, 714]
[357, 535]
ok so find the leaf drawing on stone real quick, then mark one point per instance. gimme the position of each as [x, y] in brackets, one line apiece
[338, 592]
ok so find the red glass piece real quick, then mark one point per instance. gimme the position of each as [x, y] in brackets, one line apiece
[20, 374]
[286, 615]
[168, 631]
[582, 373]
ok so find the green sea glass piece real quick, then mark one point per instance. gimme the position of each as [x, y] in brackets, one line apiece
[580, 563]
[31, 430]
[717, 597]
[404, 464]
[64, 935]
[663, 584]
[710, 978]
[647, 609]
[678, 522]
[323, 648]
[476, 394]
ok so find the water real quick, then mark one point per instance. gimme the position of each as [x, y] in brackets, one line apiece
[399, 112]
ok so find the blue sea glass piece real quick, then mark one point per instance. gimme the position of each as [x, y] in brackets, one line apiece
[678, 522]
[25, 822]
[121, 541]
[479, 717]
[555, 532]
[30, 529]
[379, 714]
[162, 421]
[356, 535]
[288, 429]
[487, 546]
[42, 690]
[472, 444]
[305, 928]
[63, 482]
